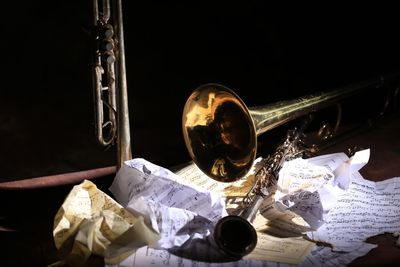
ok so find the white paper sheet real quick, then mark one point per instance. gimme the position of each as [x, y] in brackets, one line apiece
[177, 210]
[366, 209]
[310, 188]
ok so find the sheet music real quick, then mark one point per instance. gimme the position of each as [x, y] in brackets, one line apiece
[193, 175]
[309, 188]
[324, 256]
[319, 256]
[345, 172]
[174, 208]
[289, 250]
[366, 209]
[299, 174]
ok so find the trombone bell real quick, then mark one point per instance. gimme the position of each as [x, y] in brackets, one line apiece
[219, 132]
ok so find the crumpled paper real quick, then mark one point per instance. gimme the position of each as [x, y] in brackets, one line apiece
[179, 211]
[311, 187]
[91, 222]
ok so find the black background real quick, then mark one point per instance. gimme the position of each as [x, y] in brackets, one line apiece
[263, 52]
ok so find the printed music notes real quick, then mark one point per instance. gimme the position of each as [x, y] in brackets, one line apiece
[177, 210]
[366, 209]
[347, 209]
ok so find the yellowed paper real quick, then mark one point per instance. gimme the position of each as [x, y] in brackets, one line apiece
[194, 175]
[286, 249]
[91, 222]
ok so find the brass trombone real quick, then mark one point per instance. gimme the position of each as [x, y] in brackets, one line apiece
[220, 131]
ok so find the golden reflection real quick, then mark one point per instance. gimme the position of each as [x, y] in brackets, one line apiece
[219, 132]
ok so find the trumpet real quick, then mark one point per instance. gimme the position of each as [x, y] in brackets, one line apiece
[220, 133]
[109, 78]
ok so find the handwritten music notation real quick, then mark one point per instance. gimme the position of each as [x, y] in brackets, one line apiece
[91, 222]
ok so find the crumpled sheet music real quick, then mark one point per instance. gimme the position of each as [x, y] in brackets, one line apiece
[347, 209]
[365, 210]
[177, 210]
[184, 213]
[91, 222]
[310, 187]
[332, 192]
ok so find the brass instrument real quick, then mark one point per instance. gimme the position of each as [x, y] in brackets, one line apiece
[220, 133]
[109, 79]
